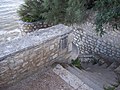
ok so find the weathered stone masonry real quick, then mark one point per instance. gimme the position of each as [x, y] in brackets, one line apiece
[24, 56]
[106, 47]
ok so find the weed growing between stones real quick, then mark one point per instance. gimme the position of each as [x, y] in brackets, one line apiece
[76, 63]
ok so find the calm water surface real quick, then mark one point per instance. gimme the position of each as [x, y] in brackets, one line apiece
[8, 16]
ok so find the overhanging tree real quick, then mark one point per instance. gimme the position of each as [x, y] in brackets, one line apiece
[31, 11]
[76, 11]
[55, 10]
[73, 11]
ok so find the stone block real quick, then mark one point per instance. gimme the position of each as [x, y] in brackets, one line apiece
[51, 47]
[19, 55]
[70, 47]
[40, 63]
[3, 63]
[55, 56]
[3, 69]
[85, 87]
[46, 49]
[16, 64]
[24, 64]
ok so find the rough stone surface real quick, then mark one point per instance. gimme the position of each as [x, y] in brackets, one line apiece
[30, 27]
[24, 56]
[70, 78]
[106, 47]
[46, 81]
[33, 39]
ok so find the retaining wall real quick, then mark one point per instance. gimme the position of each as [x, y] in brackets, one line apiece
[106, 47]
[40, 49]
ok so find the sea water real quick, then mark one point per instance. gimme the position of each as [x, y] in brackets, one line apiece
[9, 18]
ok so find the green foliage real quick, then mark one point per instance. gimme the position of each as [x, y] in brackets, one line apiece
[75, 12]
[55, 10]
[109, 88]
[31, 11]
[72, 11]
[108, 12]
[76, 63]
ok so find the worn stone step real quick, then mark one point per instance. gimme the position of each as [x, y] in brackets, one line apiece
[70, 78]
[117, 70]
[86, 65]
[97, 78]
[90, 67]
[118, 88]
[84, 78]
[108, 75]
[113, 66]
[107, 78]
[104, 65]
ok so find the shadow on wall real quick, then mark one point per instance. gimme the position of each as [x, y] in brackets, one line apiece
[75, 52]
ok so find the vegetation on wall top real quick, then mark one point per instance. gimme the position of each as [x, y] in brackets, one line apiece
[107, 13]
[72, 11]
[31, 11]
[55, 10]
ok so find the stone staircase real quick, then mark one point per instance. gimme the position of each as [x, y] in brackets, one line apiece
[93, 76]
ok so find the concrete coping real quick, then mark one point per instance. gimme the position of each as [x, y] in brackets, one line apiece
[33, 39]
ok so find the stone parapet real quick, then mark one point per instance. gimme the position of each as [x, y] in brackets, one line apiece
[22, 57]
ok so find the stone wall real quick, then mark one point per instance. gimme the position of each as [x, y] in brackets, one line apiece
[106, 47]
[28, 27]
[22, 57]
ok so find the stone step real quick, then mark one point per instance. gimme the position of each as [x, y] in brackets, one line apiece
[108, 75]
[70, 78]
[98, 78]
[117, 70]
[87, 80]
[118, 88]
[89, 66]
[107, 79]
[86, 65]
[113, 66]
[104, 65]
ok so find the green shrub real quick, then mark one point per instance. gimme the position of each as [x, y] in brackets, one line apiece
[55, 10]
[108, 12]
[75, 12]
[31, 11]
[109, 88]
[76, 63]
[72, 11]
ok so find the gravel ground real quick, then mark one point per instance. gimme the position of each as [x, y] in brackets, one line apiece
[48, 81]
